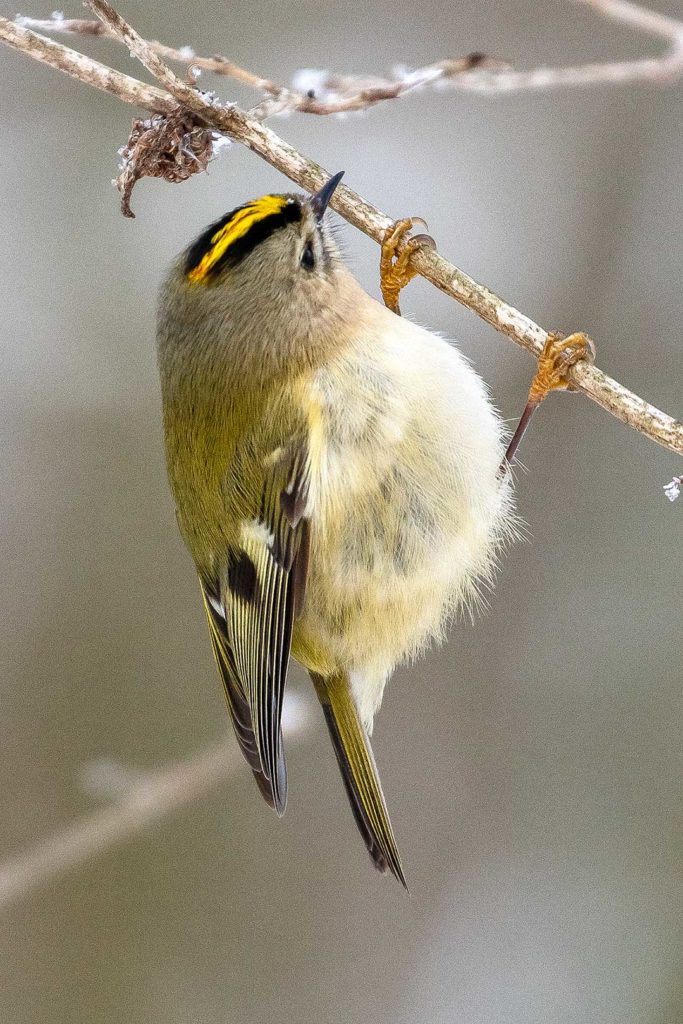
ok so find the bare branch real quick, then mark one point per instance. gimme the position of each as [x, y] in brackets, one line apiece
[322, 92]
[147, 801]
[344, 93]
[77, 65]
[141, 803]
[239, 126]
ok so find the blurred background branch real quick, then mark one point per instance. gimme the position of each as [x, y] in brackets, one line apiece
[142, 799]
[316, 91]
[240, 126]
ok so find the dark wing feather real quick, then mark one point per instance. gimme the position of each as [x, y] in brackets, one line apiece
[259, 595]
[234, 694]
[359, 772]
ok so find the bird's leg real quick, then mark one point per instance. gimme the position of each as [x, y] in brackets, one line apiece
[558, 356]
[394, 265]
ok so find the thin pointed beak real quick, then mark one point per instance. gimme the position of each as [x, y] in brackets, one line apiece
[320, 201]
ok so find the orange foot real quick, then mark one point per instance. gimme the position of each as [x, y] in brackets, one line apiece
[554, 363]
[394, 266]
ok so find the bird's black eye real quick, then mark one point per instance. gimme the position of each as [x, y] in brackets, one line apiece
[308, 257]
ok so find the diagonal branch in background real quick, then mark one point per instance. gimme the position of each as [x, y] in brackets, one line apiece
[323, 92]
[231, 121]
[151, 799]
[142, 802]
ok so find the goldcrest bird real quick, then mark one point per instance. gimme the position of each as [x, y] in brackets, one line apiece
[335, 473]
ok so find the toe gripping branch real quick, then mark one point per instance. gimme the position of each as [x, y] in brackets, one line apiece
[394, 265]
[554, 363]
[559, 353]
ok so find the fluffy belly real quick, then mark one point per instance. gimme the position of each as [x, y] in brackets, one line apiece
[408, 510]
[385, 578]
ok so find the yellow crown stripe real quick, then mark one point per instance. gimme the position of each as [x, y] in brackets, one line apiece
[235, 229]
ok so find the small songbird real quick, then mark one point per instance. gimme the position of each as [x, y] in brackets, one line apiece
[335, 470]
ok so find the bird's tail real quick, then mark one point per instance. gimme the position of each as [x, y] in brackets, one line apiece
[359, 771]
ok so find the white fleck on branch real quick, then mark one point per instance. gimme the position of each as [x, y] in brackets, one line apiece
[673, 488]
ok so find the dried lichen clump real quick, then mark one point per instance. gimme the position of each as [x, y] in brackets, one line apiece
[169, 146]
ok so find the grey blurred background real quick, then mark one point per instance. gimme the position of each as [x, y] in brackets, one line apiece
[532, 766]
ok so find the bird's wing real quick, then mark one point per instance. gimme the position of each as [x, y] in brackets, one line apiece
[234, 693]
[251, 609]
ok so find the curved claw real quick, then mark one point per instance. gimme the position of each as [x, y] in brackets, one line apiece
[554, 363]
[395, 268]
[425, 240]
[417, 220]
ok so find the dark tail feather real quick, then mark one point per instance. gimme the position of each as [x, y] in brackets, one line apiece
[359, 771]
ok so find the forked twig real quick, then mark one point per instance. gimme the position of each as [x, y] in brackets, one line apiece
[239, 126]
[323, 92]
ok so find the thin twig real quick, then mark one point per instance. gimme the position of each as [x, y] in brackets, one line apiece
[345, 93]
[143, 802]
[323, 93]
[233, 122]
[85, 69]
